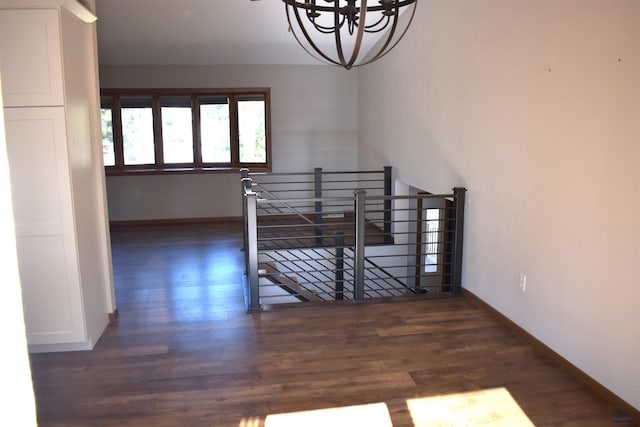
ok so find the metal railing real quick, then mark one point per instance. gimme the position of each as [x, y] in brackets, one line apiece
[332, 191]
[370, 245]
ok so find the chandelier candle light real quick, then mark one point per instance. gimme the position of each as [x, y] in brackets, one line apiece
[346, 22]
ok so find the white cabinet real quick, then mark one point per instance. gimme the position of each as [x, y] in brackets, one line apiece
[49, 84]
[31, 57]
[37, 148]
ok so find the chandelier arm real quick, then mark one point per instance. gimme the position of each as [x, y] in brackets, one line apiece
[381, 53]
[369, 30]
[323, 57]
[327, 30]
[309, 11]
[399, 4]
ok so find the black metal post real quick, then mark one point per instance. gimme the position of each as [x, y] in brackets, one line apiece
[318, 204]
[458, 203]
[252, 253]
[388, 238]
[339, 237]
[245, 187]
[358, 264]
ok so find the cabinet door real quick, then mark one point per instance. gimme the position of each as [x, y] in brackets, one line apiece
[47, 255]
[30, 57]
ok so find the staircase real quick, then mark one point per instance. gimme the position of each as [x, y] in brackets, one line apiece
[326, 236]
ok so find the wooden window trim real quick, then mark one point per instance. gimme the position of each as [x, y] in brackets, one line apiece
[198, 166]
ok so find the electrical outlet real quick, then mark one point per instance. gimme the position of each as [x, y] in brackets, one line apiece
[523, 282]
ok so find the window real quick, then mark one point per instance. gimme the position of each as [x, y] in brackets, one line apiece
[108, 153]
[214, 130]
[162, 131]
[251, 130]
[137, 131]
[433, 240]
[177, 130]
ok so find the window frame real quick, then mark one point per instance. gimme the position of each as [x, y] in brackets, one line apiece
[197, 166]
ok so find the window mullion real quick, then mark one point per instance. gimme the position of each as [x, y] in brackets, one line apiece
[157, 132]
[197, 137]
[234, 131]
[267, 126]
[116, 120]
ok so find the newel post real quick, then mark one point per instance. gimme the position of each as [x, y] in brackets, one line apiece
[458, 202]
[251, 201]
[245, 184]
[358, 273]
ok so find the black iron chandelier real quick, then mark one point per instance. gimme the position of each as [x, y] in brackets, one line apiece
[314, 22]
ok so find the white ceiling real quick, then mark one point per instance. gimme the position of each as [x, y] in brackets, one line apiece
[196, 32]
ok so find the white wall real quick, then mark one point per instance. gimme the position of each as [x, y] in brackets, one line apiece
[313, 121]
[17, 402]
[535, 108]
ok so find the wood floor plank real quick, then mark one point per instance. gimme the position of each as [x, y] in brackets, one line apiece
[184, 352]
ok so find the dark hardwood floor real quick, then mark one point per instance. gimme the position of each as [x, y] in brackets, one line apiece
[184, 353]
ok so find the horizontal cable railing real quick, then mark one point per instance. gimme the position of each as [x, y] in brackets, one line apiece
[320, 185]
[369, 246]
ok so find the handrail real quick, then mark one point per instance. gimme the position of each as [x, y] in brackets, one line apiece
[413, 197]
[307, 199]
[311, 173]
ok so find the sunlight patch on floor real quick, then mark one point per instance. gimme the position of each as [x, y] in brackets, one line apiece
[375, 415]
[493, 407]
[484, 408]
[251, 422]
